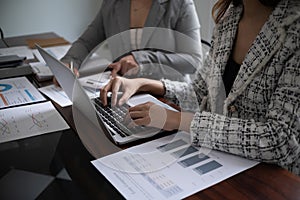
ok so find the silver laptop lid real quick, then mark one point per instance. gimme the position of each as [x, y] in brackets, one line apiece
[62, 73]
[93, 134]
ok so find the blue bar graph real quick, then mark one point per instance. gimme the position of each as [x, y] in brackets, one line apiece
[193, 160]
[171, 145]
[210, 166]
[185, 151]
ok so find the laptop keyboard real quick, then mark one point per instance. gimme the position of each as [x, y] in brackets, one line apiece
[114, 117]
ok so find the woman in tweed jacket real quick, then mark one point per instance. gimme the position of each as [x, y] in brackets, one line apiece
[257, 115]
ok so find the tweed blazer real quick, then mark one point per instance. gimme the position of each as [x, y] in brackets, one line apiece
[260, 118]
[114, 18]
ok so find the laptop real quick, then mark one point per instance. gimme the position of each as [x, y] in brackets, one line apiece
[110, 118]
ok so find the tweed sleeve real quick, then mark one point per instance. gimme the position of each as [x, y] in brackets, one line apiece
[181, 94]
[189, 96]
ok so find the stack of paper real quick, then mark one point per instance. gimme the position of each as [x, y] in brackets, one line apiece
[42, 72]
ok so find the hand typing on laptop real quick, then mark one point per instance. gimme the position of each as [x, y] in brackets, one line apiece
[110, 118]
[145, 114]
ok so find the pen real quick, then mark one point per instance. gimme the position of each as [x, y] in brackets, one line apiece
[109, 94]
[72, 66]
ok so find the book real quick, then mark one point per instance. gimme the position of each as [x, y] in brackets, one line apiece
[11, 61]
[21, 70]
[41, 71]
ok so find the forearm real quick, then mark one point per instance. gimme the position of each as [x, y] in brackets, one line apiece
[151, 86]
[161, 64]
[76, 54]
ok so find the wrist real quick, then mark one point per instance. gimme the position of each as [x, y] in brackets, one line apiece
[152, 86]
[185, 121]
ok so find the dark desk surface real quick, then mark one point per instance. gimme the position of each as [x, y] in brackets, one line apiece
[64, 160]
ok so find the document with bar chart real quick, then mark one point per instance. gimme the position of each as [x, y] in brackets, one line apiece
[168, 168]
[18, 91]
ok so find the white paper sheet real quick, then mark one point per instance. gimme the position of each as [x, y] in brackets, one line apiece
[56, 94]
[168, 168]
[57, 51]
[18, 91]
[96, 81]
[22, 51]
[31, 120]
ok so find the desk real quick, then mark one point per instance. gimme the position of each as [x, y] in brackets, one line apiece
[21, 40]
[51, 154]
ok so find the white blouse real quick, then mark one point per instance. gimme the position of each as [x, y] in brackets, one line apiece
[136, 38]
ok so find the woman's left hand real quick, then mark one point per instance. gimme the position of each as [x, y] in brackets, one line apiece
[151, 114]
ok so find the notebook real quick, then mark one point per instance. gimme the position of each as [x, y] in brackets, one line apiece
[110, 118]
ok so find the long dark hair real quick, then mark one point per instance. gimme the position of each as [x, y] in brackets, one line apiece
[221, 6]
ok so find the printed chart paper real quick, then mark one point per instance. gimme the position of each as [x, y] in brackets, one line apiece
[56, 94]
[18, 91]
[168, 168]
[25, 121]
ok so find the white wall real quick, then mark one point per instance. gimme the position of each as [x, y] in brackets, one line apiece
[204, 8]
[68, 18]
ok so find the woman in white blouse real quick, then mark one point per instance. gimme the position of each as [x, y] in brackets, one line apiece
[132, 16]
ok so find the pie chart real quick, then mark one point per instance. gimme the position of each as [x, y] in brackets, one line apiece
[5, 87]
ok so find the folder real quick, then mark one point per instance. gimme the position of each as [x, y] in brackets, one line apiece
[49, 42]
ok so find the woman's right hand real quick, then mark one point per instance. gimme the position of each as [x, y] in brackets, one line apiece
[129, 87]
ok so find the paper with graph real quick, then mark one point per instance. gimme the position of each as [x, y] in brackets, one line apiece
[18, 91]
[168, 168]
[30, 120]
